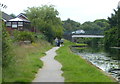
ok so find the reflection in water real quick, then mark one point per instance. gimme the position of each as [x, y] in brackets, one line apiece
[106, 59]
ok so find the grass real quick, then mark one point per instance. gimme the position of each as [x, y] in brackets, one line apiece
[80, 44]
[76, 69]
[26, 62]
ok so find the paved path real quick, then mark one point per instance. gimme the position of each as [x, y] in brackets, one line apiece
[51, 71]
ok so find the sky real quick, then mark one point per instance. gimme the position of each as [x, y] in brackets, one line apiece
[77, 10]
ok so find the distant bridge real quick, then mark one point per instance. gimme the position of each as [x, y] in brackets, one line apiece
[88, 36]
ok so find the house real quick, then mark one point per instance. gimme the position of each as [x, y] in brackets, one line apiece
[78, 32]
[6, 17]
[20, 23]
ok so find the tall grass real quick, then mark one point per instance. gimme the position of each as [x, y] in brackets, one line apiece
[76, 69]
[26, 62]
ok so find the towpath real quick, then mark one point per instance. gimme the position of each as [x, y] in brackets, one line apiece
[51, 71]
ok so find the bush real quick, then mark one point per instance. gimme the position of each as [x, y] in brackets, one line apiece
[6, 47]
[111, 37]
[23, 36]
[41, 36]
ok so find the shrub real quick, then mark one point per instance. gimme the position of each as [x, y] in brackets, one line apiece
[24, 36]
[41, 36]
[6, 47]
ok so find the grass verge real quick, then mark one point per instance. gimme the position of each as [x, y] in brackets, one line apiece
[77, 44]
[76, 69]
[26, 62]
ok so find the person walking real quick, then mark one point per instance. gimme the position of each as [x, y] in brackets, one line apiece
[61, 41]
[56, 41]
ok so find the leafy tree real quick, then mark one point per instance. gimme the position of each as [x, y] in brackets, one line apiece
[103, 23]
[91, 28]
[98, 26]
[70, 25]
[113, 19]
[118, 27]
[13, 15]
[46, 20]
[112, 36]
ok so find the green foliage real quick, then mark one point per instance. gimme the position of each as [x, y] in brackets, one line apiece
[24, 36]
[96, 27]
[70, 25]
[90, 26]
[103, 23]
[46, 20]
[90, 41]
[113, 19]
[80, 45]
[112, 36]
[6, 47]
[13, 15]
[40, 36]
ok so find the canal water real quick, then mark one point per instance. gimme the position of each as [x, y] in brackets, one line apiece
[106, 59]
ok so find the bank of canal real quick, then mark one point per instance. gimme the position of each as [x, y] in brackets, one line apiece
[106, 59]
[76, 69]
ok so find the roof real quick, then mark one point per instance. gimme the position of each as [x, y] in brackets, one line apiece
[23, 15]
[78, 31]
[19, 19]
[6, 17]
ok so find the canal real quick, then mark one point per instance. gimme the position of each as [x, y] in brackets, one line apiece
[106, 59]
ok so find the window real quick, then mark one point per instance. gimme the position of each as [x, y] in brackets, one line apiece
[20, 28]
[8, 24]
[20, 23]
[14, 24]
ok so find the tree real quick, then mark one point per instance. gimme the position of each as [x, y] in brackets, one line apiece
[118, 27]
[112, 36]
[113, 19]
[13, 15]
[46, 20]
[103, 23]
[70, 25]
